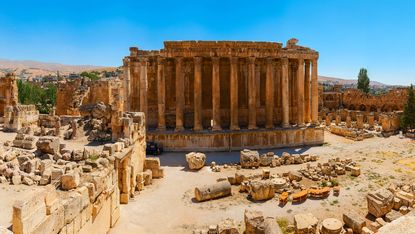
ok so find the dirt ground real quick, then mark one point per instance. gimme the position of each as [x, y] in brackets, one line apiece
[167, 205]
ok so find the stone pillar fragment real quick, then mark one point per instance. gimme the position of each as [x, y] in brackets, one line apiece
[215, 94]
[161, 94]
[251, 93]
[314, 93]
[234, 93]
[269, 90]
[179, 95]
[285, 94]
[300, 92]
[359, 121]
[307, 103]
[198, 94]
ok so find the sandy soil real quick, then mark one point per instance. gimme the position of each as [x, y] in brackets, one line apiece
[167, 205]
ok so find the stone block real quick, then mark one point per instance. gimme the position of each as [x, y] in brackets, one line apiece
[379, 202]
[73, 206]
[305, 223]
[70, 180]
[195, 160]
[254, 222]
[392, 215]
[249, 158]
[27, 214]
[48, 145]
[53, 223]
[355, 221]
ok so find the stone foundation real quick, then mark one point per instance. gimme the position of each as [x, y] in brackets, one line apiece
[238, 140]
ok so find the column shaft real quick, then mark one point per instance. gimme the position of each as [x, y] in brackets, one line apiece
[179, 94]
[251, 93]
[269, 93]
[234, 93]
[215, 94]
[143, 85]
[161, 94]
[307, 103]
[285, 94]
[198, 94]
[300, 92]
[314, 93]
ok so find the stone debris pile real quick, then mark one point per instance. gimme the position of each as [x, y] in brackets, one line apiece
[330, 169]
[252, 159]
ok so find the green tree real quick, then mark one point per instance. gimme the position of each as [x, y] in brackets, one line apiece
[363, 81]
[43, 97]
[94, 75]
[408, 117]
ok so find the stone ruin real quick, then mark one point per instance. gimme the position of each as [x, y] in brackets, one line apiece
[82, 188]
[20, 116]
[8, 92]
[265, 186]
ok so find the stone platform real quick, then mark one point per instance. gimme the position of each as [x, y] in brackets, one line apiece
[237, 140]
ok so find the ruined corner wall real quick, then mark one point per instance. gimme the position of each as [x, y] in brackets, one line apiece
[8, 92]
[88, 209]
[19, 116]
[73, 94]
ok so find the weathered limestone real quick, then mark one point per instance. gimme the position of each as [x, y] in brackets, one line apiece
[8, 92]
[331, 226]
[213, 191]
[198, 95]
[227, 226]
[249, 159]
[379, 202]
[354, 221]
[253, 221]
[261, 190]
[402, 225]
[195, 160]
[216, 94]
[179, 95]
[161, 92]
[20, 116]
[305, 223]
[48, 145]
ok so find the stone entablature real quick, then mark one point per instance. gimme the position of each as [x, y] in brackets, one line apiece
[215, 85]
[393, 100]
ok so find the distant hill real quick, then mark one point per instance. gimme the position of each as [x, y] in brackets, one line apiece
[35, 68]
[347, 82]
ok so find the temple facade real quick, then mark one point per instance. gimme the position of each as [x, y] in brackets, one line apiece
[222, 89]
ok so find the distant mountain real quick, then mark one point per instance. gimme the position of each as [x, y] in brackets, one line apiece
[347, 82]
[35, 68]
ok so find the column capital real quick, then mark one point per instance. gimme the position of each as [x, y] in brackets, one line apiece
[307, 62]
[251, 60]
[215, 60]
[284, 61]
[301, 60]
[143, 60]
[160, 60]
[198, 59]
[178, 59]
[314, 60]
[234, 59]
[270, 60]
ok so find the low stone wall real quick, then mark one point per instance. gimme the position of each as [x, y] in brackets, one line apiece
[238, 140]
[93, 208]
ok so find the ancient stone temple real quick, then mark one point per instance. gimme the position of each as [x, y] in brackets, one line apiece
[224, 95]
[8, 92]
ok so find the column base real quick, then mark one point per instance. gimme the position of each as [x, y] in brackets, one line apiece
[285, 125]
[301, 125]
[235, 128]
[161, 128]
[216, 128]
[252, 127]
[269, 126]
[179, 129]
[198, 128]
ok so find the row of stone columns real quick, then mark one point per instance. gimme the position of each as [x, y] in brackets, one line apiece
[306, 110]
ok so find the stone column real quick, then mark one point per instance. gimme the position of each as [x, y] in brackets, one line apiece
[300, 92]
[198, 94]
[179, 94]
[269, 94]
[126, 83]
[307, 99]
[314, 93]
[285, 94]
[251, 93]
[234, 93]
[143, 85]
[215, 94]
[161, 94]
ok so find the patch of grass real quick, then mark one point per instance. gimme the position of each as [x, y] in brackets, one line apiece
[283, 223]
[334, 182]
[334, 202]
[94, 157]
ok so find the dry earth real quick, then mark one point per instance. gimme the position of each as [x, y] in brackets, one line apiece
[168, 206]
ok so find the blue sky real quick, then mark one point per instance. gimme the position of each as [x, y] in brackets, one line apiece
[349, 34]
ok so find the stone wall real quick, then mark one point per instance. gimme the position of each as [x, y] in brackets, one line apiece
[8, 92]
[226, 141]
[19, 116]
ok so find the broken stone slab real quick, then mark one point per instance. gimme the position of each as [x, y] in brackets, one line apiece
[70, 180]
[295, 175]
[213, 191]
[195, 160]
[402, 225]
[228, 226]
[254, 221]
[249, 158]
[271, 226]
[261, 190]
[305, 223]
[354, 221]
[379, 202]
[392, 215]
[48, 145]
